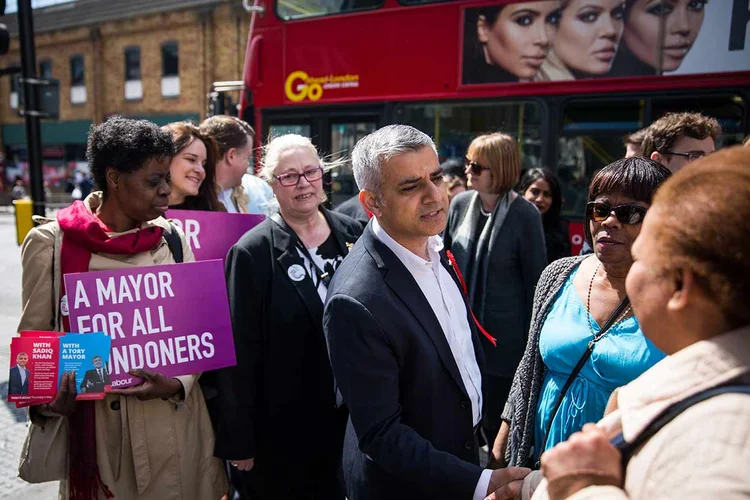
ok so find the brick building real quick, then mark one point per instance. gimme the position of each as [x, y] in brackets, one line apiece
[151, 59]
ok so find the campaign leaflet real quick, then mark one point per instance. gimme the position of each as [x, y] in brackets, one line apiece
[34, 364]
[88, 356]
[85, 355]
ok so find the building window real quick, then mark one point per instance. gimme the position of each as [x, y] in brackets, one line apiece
[77, 80]
[170, 70]
[133, 86]
[45, 69]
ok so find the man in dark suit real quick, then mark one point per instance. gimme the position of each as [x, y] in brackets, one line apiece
[18, 382]
[404, 348]
[96, 379]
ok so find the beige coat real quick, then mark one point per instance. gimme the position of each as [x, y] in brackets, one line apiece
[704, 453]
[146, 450]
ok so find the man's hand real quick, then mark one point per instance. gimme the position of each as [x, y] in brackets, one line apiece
[244, 465]
[154, 386]
[586, 459]
[65, 402]
[505, 484]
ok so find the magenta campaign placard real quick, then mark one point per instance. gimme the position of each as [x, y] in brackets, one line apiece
[171, 319]
[212, 234]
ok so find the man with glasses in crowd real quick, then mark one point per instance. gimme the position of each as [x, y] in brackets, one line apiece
[676, 139]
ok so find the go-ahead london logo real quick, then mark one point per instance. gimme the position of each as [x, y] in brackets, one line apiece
[300, 86]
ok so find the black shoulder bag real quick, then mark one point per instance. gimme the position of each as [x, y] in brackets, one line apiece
[174, 242]
[586, 355]
[628, 448]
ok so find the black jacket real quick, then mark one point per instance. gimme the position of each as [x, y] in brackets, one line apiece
[92, 383]
[14, 383]
[411, 431]
[354, 209]
[512, 266]
[282, 388]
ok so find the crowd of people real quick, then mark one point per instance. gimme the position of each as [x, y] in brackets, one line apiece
[380, 345]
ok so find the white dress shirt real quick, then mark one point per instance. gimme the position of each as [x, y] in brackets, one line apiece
[446, 301]
[225, 197]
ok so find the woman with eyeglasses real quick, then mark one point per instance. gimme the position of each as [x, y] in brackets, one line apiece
[497, 239]
[584, 341]
[282, 423]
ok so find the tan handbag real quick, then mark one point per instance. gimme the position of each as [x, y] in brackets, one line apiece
[44, 456]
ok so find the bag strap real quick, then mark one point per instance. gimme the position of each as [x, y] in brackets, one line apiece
[586, 355]
[628, 448]
[175, 243]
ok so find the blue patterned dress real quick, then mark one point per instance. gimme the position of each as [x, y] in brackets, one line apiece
[618, 358]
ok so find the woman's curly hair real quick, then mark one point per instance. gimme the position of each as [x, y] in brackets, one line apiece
[125, 145]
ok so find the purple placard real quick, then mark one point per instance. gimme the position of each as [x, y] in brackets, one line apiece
[171, 319]
[212, 234]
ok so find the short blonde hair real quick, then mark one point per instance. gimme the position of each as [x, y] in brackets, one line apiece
[499, 153]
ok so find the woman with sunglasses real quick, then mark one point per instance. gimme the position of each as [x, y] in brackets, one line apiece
[280, 401]
[584, 341]
[497, 239]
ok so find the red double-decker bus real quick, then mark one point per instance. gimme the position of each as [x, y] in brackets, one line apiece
[567, 78]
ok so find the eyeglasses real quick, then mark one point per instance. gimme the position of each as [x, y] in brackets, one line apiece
[476, 168]
[626, 214]
[692, 156]
[292, 178]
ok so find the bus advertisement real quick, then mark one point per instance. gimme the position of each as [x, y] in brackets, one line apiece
[566, 78]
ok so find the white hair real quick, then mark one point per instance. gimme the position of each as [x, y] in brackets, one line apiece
[376, 149]
[277, 146]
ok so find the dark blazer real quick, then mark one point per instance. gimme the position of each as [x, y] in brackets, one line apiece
[353, 208]
[410, 433]
[280, 396]
[513, 266]
[14, 383]
[97, 384]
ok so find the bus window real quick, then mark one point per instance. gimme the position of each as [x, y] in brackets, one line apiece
[343, 138]
[729, 110]
[453, 126]
[591, 138]
[300, 9]
[277, 130]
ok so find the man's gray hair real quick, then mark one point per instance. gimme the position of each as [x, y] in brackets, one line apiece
[377, 148]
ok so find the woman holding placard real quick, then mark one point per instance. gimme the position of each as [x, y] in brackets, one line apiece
[281, 399]
[192, 170]
[153, 440]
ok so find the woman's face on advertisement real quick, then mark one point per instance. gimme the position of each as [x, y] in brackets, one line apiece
[518, 41]
[589, 34]
[682, 22]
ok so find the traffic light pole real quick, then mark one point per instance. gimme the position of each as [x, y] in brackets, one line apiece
[31, 107]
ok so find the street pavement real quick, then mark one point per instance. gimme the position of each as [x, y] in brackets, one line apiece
[12, 420]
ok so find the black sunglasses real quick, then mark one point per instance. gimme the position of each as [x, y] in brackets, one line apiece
[476, 168]
[626, 214]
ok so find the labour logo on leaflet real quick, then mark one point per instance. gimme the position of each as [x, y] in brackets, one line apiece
[296, 272]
